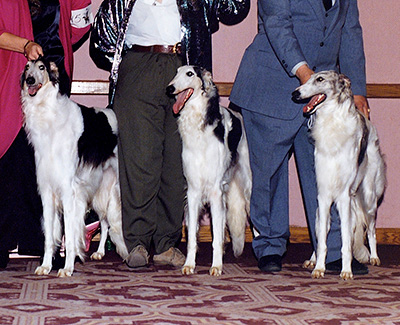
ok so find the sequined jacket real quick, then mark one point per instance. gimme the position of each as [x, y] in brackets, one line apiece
[199, 19]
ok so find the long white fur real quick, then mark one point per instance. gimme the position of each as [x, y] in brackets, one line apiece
[210, 179]
[338, 130]
[54, 124]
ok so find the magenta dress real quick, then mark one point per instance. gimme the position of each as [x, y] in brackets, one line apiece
[14, 19]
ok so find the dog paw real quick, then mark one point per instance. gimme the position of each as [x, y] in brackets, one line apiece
[346, 275]
[375, 261]
[43, 270]
[308, 264]
[317, 274]
[97, 256]
[216, 270]
[62, 273]
[187, 270]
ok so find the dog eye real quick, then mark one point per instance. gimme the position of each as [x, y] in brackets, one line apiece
[41, 67]
[320, 79]
[189, 73]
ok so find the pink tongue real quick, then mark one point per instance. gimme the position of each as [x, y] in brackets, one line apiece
[181, 99]
[33, 90]
[315, 100]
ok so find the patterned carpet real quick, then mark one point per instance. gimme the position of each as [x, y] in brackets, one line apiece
[107, 292]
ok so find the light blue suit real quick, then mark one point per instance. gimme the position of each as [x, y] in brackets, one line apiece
[289, 32]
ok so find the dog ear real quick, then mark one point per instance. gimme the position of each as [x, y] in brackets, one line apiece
[344, 85]
[344, 81]
[208, 83]
[22, 79]
[53, 73]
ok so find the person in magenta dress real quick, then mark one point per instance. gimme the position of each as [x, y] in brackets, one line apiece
[24, 24]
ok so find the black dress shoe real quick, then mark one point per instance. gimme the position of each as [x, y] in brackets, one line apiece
[356, 267]
[270, 263]
[4, 259]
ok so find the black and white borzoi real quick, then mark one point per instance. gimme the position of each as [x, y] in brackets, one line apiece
[215, 161]
[349, 167]
[76, 165]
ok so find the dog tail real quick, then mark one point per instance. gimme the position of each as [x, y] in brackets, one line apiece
[236, 216]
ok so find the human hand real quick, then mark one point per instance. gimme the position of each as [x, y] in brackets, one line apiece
[32, 50]
[362, 104]
[304, 73]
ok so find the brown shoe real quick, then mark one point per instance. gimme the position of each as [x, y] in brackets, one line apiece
[138, 257]
[172, 256]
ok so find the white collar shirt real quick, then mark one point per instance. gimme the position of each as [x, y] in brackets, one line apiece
[154, 23]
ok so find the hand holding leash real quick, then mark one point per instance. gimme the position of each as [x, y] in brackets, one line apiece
[304, 73]
[362, 105]
[32, 50]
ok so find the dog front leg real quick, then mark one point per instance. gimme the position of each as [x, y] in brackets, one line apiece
[322, 225]
[49, 227]
[74, 224]
[218, 215]
[194, 201]
[346, 227]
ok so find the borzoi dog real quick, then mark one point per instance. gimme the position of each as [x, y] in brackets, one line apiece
[215, 161]
[349, 167]
[76, 164]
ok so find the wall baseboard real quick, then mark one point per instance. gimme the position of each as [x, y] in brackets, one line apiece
[385, 236]
[298, 235]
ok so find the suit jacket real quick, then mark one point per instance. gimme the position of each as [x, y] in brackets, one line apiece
[291, 31]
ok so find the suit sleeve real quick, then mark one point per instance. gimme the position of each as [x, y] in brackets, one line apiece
[351, 55]
[277, 22]
[81, 19]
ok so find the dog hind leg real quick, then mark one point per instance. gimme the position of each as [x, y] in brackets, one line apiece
[360, 251]
[236, 216]
[99, 254]
[107, 204]
[114, 218]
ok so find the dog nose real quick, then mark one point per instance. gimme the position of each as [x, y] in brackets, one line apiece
[296, 94]
[170, 90]
[30, 80]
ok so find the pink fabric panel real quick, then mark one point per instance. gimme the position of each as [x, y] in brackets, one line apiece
[15, 19]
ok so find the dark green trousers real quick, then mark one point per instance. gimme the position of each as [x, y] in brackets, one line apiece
[149, 151]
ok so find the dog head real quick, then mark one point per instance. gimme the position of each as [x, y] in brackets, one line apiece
[36, 74]
[323, 86]
[189, 82]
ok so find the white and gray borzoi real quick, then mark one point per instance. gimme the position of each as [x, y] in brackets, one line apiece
[215, 161]
[349, 168]
[76, 165]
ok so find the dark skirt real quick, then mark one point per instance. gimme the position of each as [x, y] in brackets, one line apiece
[20, 203]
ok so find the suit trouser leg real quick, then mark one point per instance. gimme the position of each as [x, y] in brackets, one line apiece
[269, 147]
[151, 176]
